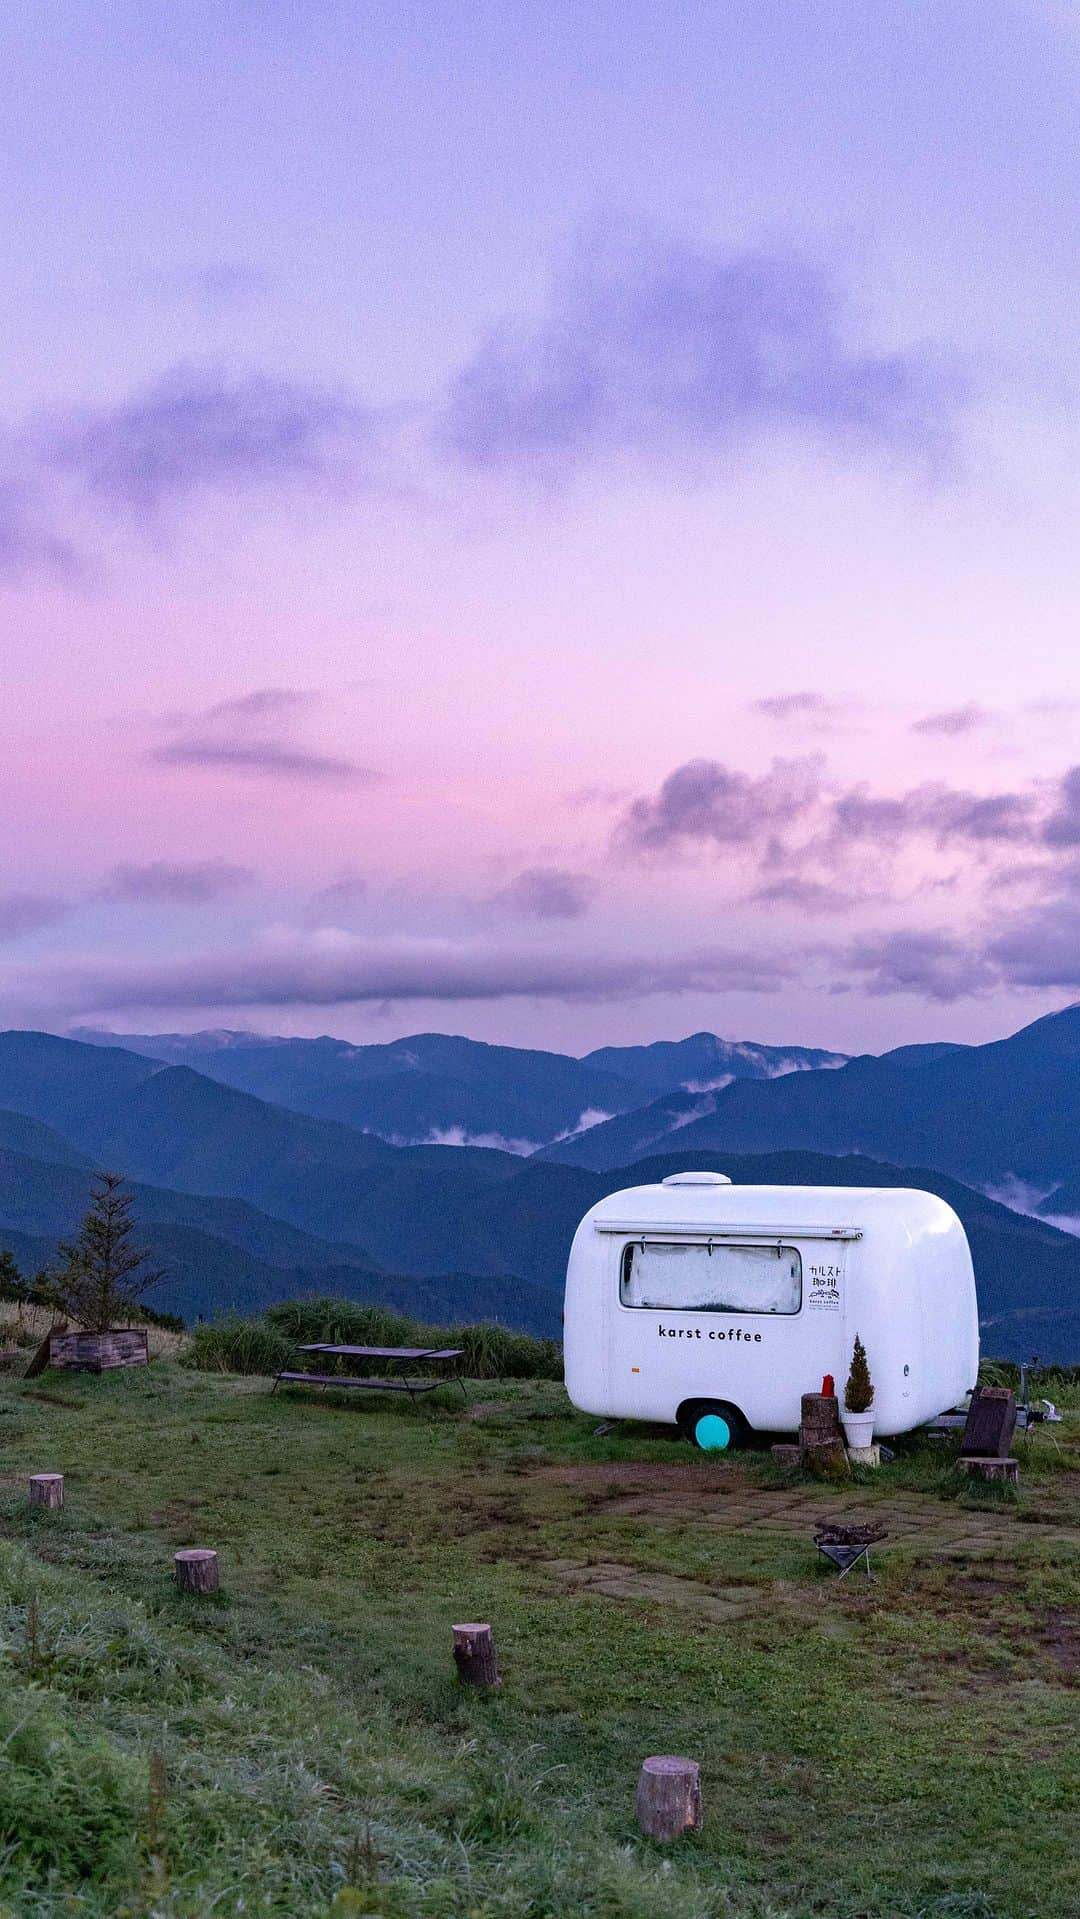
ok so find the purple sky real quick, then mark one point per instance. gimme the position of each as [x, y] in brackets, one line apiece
[552, 523]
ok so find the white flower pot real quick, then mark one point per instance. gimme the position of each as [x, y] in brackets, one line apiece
[858, 1427]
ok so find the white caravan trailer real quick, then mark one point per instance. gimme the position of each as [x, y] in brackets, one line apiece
[699, 1301]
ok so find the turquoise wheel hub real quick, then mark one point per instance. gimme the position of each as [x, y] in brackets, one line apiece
[712, 1433]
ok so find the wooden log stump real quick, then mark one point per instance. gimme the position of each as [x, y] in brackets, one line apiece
[822, 1442]
[786, 1455]
[820, 1420]
[47, 1489]
[828, 1461]
[991, 1468]
[197, 1570]
[474, 1656]
[991, 1422]
[668, 1798]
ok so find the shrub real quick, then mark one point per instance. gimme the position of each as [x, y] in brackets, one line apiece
[236, 1345]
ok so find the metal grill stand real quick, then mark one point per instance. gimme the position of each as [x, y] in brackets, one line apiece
[845, 1546]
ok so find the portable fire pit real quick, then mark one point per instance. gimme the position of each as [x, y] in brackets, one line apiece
[844, 1546]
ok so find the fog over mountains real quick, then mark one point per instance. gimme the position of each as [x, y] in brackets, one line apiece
[267, 1167]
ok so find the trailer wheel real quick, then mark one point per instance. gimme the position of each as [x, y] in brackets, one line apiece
[713, 1425]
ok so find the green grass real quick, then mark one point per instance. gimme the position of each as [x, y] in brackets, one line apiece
[900, 1750]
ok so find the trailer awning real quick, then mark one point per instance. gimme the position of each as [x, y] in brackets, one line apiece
[658, 1228]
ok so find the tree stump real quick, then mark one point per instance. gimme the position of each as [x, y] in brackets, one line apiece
[829, 1461]
[991, 1468]
[668, 1798]
[47, 1489]
[820, 1420]
[820, 1436]
[474, 1656]
[991, 1422]
[196, 1570]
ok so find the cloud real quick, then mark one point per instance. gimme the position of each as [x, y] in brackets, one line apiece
[808, 896]
[26, 545]
[29, 912]
[338, 969]
[546, 893]
[276, 759]
[262, 703]
[815, 849]
[957, 719]
[656, 350]
[222, 283]
[196, 431]
[176, 883]
[666, 351]
[796, 706]
[340, 896]
[1063, 826]
[933, 965]
[1040, 948]
[940, 812]
[706, 801]
[253, 735]
[583, 797]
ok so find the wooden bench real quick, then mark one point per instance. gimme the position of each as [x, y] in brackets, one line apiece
[443, 1356]
[373, 1385]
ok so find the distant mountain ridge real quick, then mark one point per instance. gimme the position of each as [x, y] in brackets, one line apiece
[438, 1089]
[988, 1114]
[703, 1062]
[245, 1201]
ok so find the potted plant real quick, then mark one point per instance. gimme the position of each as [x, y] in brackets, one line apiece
[857, 1413]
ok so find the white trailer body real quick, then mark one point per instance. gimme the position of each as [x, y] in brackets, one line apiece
[699, 1291]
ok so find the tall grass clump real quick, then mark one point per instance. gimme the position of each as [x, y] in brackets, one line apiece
[491, 1352]
[1052, 1381]
[236, 1345]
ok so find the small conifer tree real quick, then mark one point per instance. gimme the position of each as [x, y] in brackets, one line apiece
[12, 1284]
[859, 1391]
[104, 1273]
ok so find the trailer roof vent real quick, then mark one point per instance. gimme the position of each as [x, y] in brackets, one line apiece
[697, 1179]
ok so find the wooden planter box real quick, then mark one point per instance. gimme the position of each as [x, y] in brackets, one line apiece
[98, 1352]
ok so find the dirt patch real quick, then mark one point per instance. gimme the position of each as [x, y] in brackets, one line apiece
[1059, 1641]
[644, 1473]
[721, 1498]
[972, 1676]
[613, 1580]
[988, 1585]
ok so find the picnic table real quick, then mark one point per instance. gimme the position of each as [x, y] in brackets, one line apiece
[444, 1357]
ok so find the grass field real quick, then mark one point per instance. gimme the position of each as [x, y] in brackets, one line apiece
[300, 1745]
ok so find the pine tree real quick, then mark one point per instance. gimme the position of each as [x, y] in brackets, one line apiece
[12, 1284]
[859, 1391]
[104, 1273]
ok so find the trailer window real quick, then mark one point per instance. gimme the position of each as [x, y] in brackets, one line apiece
[690, 1277]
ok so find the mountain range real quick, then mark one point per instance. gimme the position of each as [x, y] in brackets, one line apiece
[1007, 1112]
[243, 1199]
[436, 1090]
